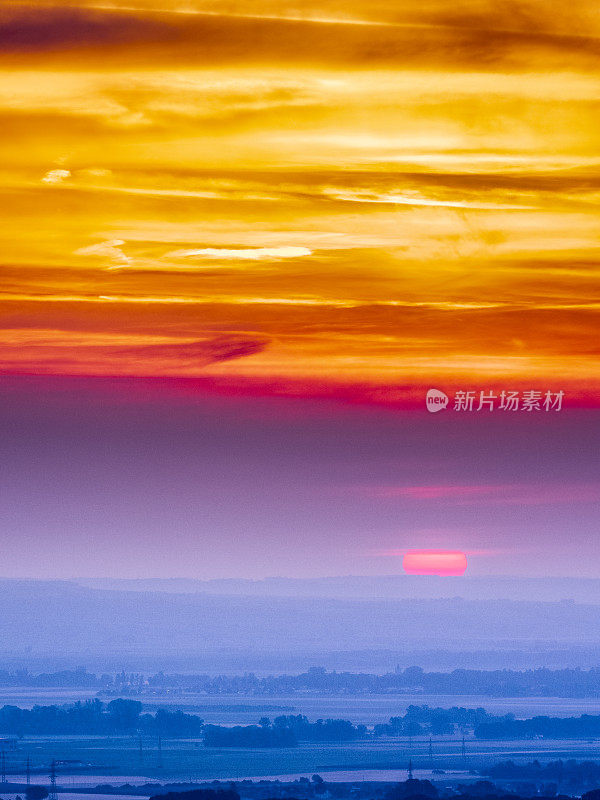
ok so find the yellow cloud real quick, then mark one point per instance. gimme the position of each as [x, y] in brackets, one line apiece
[380, 191]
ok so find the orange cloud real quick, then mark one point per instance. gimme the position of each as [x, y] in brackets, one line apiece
[391, 196]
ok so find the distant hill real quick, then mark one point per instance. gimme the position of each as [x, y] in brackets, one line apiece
[112, 628]
[366, 586]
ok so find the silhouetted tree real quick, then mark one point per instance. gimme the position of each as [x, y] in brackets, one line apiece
[36, 792]
[125, 713]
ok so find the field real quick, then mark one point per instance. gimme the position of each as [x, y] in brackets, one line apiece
[118, 759]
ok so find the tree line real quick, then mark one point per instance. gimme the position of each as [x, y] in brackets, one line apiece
[584, 727]
[284, 731]
[447, 721]
[94, 717]
[411, 789]
[435, 721]
[124, 716]
[497, 683]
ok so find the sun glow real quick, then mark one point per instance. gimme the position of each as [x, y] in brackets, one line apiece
[434, 562]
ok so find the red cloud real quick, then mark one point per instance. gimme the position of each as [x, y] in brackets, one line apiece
[490, 494]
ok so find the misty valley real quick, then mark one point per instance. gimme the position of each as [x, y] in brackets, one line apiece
[132, 734]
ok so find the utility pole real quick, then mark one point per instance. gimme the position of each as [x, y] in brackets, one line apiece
[28, 772]
[464, 752]
[141, 751]
[3, 767]
[53, 795]
[410, 770]
[430, 753]
[160, 761]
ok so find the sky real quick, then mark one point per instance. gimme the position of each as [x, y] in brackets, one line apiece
[241, 241]
[181, 483]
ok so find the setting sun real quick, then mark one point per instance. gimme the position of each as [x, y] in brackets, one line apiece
[434, 562]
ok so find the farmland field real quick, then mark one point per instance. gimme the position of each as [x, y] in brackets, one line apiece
[121, 759]
[117, 759]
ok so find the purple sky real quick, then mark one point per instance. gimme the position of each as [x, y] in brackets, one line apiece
[143, 479]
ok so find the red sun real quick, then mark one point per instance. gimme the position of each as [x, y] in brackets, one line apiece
[434, 562]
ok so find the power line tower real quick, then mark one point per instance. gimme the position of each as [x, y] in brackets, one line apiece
[52, 794]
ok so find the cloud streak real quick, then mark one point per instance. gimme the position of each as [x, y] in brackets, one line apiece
[431, 39]
[55, 354]
[489, 494]
[243, 253]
